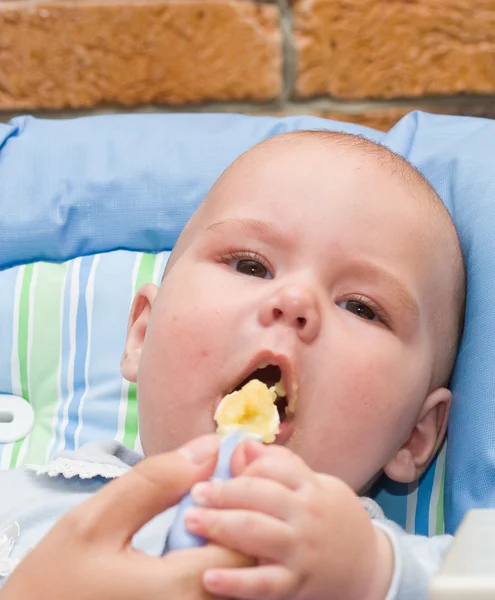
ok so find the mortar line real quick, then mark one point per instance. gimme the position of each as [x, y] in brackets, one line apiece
[288, 57]
[299, 106]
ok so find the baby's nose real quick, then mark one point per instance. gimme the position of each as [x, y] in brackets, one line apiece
[295, 306]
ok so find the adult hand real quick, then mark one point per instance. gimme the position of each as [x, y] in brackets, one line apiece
[88, 553]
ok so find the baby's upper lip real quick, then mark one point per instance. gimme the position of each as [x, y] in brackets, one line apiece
[283, 362]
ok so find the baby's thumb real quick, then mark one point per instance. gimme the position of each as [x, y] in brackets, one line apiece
[246, 453]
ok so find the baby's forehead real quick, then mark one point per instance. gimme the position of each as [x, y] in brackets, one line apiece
[350, 167]
[331, 150]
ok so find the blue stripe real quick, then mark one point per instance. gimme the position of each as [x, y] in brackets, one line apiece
[423, 503]
[112, 287]
[64, 361]
[7, 298]
[81, 351]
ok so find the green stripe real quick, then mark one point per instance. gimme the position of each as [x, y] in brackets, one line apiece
[15, 453]
[440, 528]
[144, 275]
[45, 354]
[22, 346]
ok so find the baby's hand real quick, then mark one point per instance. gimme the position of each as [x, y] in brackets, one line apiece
[310, 534]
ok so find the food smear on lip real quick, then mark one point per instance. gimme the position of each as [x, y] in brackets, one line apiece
[252, 409]
[291, 407]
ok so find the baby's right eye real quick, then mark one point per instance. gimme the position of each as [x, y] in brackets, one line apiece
[251, 267]
[248, 263]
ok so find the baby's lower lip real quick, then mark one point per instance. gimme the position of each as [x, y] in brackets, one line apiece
[286, 430]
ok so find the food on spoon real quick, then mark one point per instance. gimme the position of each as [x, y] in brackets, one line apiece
[252, 408]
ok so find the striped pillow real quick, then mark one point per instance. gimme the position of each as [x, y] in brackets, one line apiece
[63, 332]
[417, 508]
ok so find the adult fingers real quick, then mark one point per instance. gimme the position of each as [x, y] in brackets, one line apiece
[123, 506]
[178, 574]
[206, 557]
[188, 567]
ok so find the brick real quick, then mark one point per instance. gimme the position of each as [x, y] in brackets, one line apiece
[80, 53]
[393, 48]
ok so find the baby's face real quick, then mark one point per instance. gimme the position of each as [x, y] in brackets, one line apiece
[316, 262]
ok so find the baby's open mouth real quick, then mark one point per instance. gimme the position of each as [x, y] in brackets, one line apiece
[271, 376]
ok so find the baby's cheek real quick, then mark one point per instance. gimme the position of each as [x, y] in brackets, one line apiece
[358, 385]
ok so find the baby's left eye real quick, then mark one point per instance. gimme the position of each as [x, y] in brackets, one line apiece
[360, 309]
[250, 266]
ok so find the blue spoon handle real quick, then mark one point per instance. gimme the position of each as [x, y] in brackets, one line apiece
[179, 538]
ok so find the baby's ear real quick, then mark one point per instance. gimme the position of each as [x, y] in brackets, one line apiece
[136, 330]
[415, 455]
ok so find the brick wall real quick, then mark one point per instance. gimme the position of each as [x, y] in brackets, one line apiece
[368, 61]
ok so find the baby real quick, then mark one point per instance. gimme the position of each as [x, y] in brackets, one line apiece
[318, 259]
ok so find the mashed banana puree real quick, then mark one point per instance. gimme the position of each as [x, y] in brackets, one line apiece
[252, 408]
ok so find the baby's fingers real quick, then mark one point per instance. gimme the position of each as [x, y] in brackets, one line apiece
[271, 462]
[267, 582]
[246, 493]
[248, 532]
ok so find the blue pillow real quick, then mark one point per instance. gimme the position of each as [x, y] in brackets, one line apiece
[94, 184]
[62, 348]
[91, 185]
[457, 155]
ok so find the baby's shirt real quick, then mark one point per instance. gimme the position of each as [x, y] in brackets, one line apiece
[33, 499]
[416, 559]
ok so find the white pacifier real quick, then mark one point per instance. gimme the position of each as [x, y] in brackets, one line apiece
[16, 418]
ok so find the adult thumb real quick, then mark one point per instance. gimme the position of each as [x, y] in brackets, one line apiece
[158, 482]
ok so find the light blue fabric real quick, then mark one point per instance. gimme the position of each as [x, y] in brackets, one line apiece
[98, 184]
[94, 184]
[457, 155]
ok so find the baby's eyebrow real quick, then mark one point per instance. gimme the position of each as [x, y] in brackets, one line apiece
[268, 230]
[397, 288]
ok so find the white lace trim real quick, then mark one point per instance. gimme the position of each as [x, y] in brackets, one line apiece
[69, 468]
